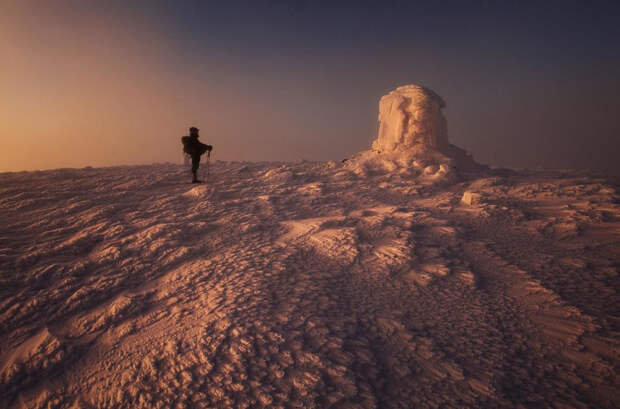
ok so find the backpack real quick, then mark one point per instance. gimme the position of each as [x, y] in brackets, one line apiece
[187, 148]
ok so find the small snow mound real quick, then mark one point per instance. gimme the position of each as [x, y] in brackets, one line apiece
[39, 353]
[197, 191]
[429, 168]
[337, 244]
[279, 175]
[331, 164]
[470, 198]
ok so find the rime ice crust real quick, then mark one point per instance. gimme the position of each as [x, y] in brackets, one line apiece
[412, 138]
[301, 285]
[410, 118]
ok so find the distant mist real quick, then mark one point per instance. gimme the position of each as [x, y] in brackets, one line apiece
[112, 84]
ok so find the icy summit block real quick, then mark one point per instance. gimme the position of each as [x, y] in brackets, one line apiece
[410, 118]
[413, 139]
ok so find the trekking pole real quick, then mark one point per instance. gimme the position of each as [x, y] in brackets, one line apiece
[208, 160]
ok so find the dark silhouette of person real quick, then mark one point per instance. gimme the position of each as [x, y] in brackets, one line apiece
[195, 149]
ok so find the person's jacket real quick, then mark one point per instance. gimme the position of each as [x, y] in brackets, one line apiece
[192, 146]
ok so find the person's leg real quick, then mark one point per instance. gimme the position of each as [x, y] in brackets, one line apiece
[195, 166]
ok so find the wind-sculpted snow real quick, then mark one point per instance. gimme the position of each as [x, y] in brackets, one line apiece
[410, 118]
[307, 286]
[412, 139]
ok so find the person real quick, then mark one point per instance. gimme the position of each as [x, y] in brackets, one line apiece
[195, 149]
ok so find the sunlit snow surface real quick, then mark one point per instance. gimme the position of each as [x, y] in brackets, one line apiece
[305, 285]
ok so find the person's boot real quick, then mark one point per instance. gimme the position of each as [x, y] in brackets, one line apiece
[195, 178]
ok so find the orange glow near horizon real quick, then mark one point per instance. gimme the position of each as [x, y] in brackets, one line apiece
[82, 94]
[86, 83]
[81, 91]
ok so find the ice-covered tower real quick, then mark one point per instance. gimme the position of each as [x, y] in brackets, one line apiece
[410, 119]
[412, 138]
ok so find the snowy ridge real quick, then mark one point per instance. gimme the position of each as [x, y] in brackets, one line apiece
[307, 285]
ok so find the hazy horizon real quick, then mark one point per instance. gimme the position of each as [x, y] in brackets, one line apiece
[111, 84]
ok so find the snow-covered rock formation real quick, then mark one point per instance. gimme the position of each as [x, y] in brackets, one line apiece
[412, 137]
[410, 118]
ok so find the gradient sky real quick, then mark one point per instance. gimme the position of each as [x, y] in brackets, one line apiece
[527, 84]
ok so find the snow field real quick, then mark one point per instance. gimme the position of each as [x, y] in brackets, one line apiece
[307, 285]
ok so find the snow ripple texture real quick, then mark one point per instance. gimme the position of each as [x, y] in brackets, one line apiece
[306, 286]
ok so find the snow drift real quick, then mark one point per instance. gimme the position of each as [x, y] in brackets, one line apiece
[303, 285]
